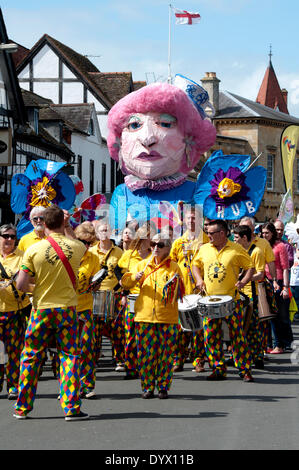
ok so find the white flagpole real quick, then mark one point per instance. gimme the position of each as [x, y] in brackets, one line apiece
[253, 161]
[169, 41]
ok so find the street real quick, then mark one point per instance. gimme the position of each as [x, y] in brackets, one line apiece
[199, 415]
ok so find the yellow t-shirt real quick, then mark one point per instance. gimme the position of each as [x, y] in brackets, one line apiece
[8, 301]
[265, 248]
[28, 240]
[221, 268]
[182, 252]
[89, 266]
[53, 287]
[109, 259]
[258, 260]
[149, 306]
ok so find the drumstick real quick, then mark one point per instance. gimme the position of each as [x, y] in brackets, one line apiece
[151, 257]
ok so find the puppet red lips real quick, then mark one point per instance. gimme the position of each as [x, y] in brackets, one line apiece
[149, 156]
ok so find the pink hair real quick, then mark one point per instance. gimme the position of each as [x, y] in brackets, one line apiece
[163, 98]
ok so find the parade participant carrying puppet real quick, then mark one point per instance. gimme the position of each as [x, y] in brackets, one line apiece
[157, 134]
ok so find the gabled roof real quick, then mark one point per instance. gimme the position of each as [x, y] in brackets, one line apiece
[233, 106]
[115, 85]
[76, 116]
[10, 78]
[270, 93]
[108, 88]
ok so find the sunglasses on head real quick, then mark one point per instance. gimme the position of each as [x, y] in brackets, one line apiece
[8, 235]
[158, 244]
[85, 242]
[35, 219]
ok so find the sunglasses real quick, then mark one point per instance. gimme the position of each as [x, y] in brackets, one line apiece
[35, 219]
[158, 244]
[85, 242]
[8, 235]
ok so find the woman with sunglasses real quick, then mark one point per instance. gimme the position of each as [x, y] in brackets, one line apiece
[13, 304]
[156, 315]
[139, 249]
[89, 266]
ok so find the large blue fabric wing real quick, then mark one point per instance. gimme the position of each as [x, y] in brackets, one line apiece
[216, 161]
[20, 186]
[38, 168]
[67, 189]
[24, 227]
[256, 180]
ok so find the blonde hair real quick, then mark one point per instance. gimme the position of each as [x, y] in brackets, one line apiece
[86, 231]
[144, 232]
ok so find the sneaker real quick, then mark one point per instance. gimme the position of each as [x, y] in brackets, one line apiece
[276, 350]
[88, 394]
[12, 395]
[120, 368]
[199, 368]
[148, 394]
[178, 368]
[215, 375]
[163, 394]
[78, 417]
[248, 377]
[19, 415]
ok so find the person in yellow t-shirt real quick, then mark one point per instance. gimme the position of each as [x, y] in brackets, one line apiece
[139, 249]
[243, 236]
[13, 305]
[156, 315]
[54, 308]
[38, 232]
[89, 266]
[108, 255]
[183, 251]
[216, 269]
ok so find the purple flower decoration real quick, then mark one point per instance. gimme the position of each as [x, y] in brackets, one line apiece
[228, 187]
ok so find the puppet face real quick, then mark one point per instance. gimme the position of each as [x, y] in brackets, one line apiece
[152, 146]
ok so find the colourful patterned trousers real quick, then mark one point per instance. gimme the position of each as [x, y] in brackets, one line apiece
[156, 343]
[131, 362]
[42, 323]
[12, 335]
[114, 330]
[214, 343]
[88, 357]
[254, 336]
[196, 342]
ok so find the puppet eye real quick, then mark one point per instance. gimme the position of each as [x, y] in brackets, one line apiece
[167, 121]
[134, 123]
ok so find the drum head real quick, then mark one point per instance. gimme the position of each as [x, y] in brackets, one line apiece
[189, 302]
[215, 299]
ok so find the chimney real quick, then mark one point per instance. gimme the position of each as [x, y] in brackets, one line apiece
[211, 84]
[285, 95]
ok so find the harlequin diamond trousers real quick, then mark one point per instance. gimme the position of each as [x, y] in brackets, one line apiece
[156, 346]
[214, 343]
[42, 323]
[11, 333]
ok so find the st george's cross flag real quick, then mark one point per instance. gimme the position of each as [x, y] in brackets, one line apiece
[185, 17]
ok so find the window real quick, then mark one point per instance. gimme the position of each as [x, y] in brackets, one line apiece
[79, 172]
[270, 171]
[103, 178]
[91, 127]
[91, 177]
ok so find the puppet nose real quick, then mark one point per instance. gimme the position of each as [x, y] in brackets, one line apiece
[148, 137]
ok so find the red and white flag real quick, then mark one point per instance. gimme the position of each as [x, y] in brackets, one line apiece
[185, 17]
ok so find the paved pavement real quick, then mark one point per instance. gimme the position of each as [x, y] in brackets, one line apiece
[199, 415]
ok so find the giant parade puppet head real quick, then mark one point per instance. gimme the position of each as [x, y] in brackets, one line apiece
[157, 134]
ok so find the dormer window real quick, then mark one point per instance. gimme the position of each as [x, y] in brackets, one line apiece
[35, 120]
[91, 127]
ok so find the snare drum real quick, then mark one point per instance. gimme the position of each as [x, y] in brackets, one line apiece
[131, 302]
[103, 304]
[189, 315]
[216, 306]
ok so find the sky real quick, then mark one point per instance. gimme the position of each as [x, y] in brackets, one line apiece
[233, 38]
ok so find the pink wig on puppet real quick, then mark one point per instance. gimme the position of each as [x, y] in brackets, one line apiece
[199, 134]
